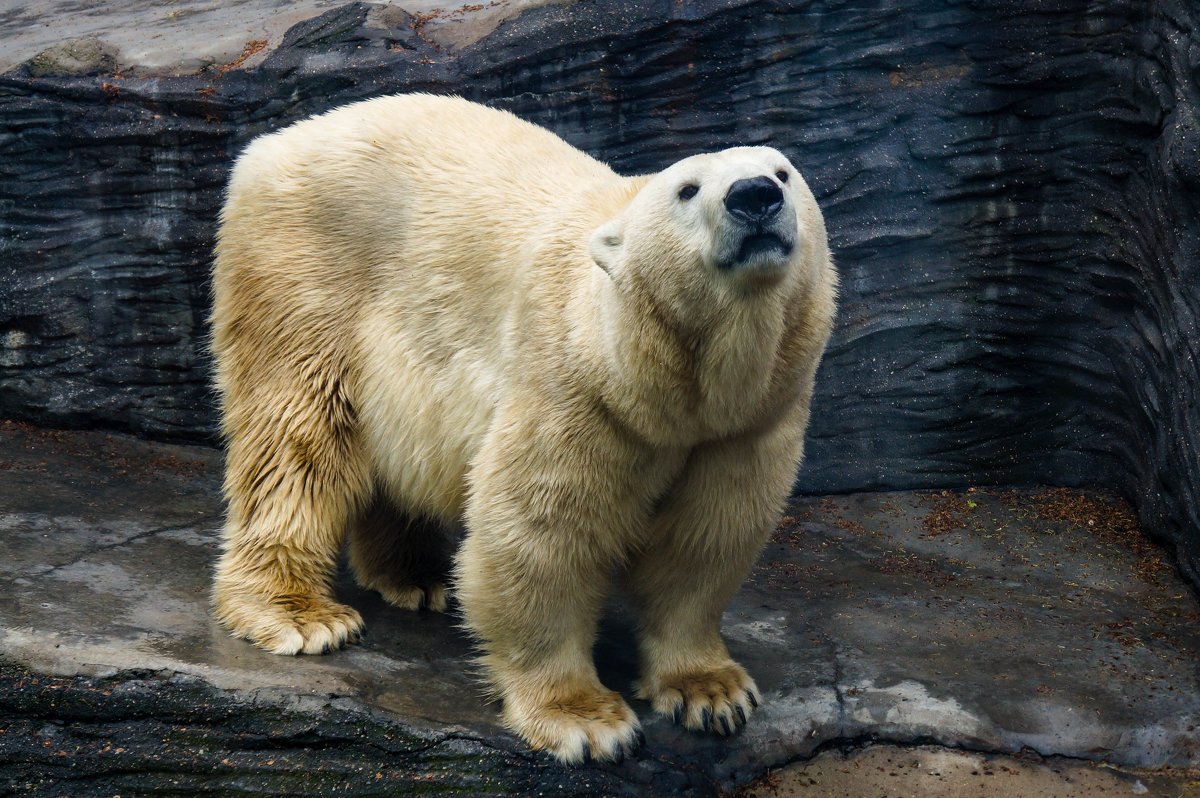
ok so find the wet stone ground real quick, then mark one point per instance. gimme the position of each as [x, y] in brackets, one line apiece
[1025, 621]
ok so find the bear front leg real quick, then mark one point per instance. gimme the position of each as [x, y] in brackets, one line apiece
[703, 541]
[548, 518]
[535, 613]
[294, 478]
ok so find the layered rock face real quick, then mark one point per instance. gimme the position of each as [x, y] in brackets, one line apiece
[1012, 192]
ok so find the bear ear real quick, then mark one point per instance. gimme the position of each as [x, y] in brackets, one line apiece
[605, 245]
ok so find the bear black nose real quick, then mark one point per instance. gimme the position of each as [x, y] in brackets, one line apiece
[755, 199]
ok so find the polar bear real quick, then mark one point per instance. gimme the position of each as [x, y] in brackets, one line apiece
[430, 314]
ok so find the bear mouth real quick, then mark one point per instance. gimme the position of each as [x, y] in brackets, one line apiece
[756, 245]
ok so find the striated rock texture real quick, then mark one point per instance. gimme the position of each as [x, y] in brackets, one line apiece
[1012, 189]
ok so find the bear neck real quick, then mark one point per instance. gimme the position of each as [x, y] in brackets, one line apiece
[680, 380]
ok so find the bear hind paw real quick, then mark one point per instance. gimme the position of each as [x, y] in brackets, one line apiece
[417, 597]
[295, 625]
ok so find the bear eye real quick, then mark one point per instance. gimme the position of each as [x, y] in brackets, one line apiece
[688, 191]
[782, 175]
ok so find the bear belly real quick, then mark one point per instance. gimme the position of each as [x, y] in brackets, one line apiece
[424, 407]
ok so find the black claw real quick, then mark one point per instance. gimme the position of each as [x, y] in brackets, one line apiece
[678, 714]
[750, 697]
[620, 755]
[587, 751]
[706, 719]
[641, 738]
[725, 728]
[741, 713]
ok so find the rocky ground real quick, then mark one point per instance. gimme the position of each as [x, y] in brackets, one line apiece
[955, 627]
[888, 771]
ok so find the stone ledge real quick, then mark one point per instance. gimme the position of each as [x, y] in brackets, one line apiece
[186, 37]
[157, 732]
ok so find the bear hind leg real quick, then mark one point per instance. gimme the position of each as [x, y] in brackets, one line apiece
[295, 476]
[404, 558]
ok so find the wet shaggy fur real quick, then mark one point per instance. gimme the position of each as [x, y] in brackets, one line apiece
[431, 314]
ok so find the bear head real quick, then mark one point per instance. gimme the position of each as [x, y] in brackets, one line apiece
[728, 221]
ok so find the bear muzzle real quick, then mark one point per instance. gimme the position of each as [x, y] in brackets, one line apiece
[762, 244]
[760, 238]
[754, 200]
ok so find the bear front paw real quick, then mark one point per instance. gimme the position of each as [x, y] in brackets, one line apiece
[576, 726]
[718, 700]
[291, 625]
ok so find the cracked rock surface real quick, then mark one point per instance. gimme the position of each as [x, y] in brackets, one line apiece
[933, 772]
[989, 620]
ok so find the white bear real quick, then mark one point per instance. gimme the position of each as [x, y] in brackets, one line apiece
[430, 314]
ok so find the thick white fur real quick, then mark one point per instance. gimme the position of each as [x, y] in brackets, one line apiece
[431, 313]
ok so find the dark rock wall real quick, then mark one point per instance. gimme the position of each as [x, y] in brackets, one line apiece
[107, 207]
[1010, 187]
[1147, 261]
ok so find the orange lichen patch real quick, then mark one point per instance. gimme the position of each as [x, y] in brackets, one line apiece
[253, 46]
[419, 21]
[949, 511]
[853, 527]
[796, 515]
[919, 78]
[791, 526]
[926, 569]
[1124, 633]
[785, 575]
[102, 453]
[1108, 518]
